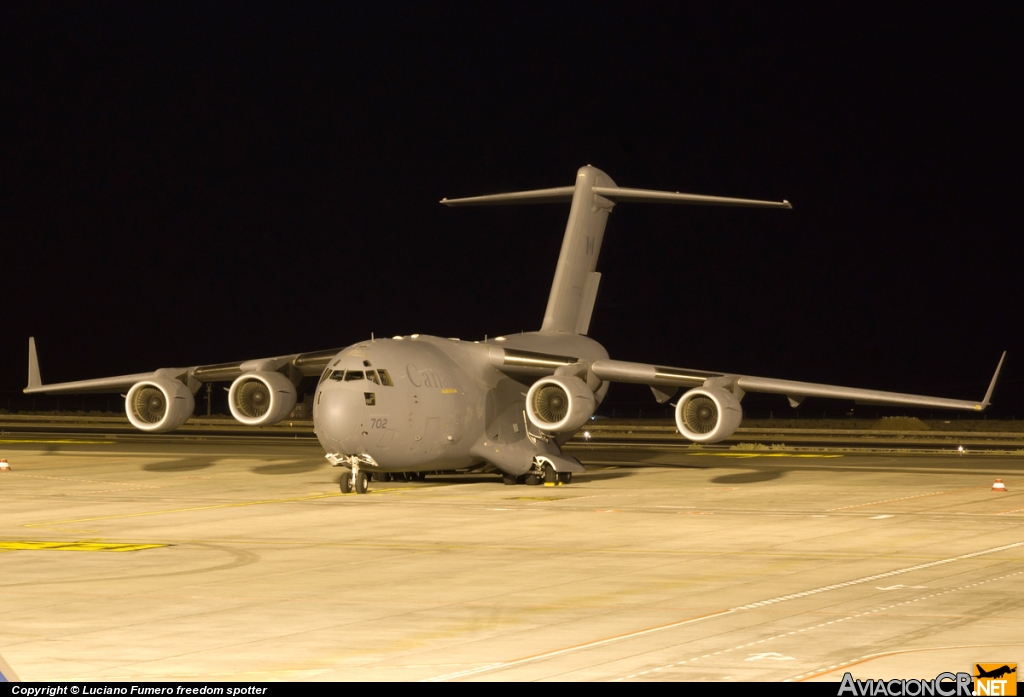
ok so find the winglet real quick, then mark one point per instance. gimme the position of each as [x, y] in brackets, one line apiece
[33, 364]
[7, 674]
[992, 385]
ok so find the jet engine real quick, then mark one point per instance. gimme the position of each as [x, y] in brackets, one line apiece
[559, 404]
[708, 414]
[159, 405]
[261, 398]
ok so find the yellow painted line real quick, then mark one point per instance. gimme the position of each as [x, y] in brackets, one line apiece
[311, 497]
[183, 510]
[907, 498]
[38, 545]
[53, 441]
[749, 455]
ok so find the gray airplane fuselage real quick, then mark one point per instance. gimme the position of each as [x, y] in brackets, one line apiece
[449, 408]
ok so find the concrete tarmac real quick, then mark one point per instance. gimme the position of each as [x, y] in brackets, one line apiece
[181, 559]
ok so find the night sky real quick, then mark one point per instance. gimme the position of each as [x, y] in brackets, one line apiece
[186, 184]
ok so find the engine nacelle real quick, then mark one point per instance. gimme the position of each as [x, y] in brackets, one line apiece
[708, 414]
[159, 405]
[261, 398]
[559, 404]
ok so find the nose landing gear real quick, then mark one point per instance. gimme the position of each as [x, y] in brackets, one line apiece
[353, 479]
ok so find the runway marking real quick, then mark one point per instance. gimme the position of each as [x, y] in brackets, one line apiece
[875, 577]
[183, 510]
[87, 481]
[751, 455]
[867, 657]
[813, 627]
[751, 606]
[38, 545]
[902, 498]
[579, 647]
[63, 441]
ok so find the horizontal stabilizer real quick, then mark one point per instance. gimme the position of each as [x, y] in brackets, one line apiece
[560, 194]
[563, 194]
[619, 195]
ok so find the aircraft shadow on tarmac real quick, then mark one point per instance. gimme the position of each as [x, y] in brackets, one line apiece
[299, 467]
[602, 475]
[185, 464]
[750, 477]
[191, 464]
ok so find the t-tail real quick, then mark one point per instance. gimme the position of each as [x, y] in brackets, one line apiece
[574, 290]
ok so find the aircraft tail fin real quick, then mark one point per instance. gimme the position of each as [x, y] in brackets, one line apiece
[574, 289]
[33, 364]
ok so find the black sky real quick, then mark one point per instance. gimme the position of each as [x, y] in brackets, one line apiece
[184, 184]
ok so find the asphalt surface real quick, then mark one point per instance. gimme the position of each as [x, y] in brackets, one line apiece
[123, 558]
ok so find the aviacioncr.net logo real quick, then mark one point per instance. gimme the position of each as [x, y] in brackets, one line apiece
[942, 685]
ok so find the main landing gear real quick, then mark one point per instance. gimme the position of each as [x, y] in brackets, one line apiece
[542, 473]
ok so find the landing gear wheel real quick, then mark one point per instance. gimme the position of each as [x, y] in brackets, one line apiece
[509, 480]
[565, 477]
[532, 480]
[399, 476]
[346, 483]
[550, 475]
[382, 476]
[361, 483]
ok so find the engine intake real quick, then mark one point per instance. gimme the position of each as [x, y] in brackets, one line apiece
[261, 398]
[708, 414]
[559, 404]
[159, 405]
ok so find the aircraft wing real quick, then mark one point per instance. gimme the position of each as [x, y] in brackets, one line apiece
[305, 364]
[665, 381]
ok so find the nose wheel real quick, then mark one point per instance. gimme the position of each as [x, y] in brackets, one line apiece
[354, 480]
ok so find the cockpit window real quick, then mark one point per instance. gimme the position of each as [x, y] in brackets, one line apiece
[327, 371]
[377, 377]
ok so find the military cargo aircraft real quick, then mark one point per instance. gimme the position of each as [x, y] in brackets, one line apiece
[417, 403]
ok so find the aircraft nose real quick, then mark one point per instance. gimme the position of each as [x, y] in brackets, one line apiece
[336, 416]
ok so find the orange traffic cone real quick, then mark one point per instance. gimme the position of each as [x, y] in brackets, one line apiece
[999, 486]
[4, 467]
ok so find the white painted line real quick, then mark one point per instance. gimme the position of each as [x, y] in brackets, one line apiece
[752, 606]
[875, 577]
[579, 647]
